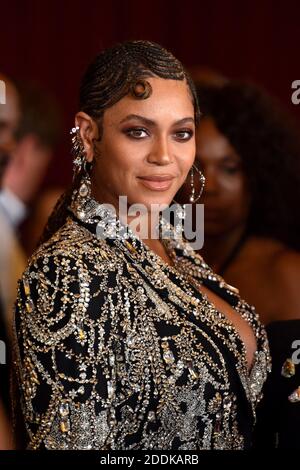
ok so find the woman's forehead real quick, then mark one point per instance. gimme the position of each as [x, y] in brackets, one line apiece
[168, 97]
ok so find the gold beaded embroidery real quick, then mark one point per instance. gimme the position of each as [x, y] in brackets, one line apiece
[120, 351]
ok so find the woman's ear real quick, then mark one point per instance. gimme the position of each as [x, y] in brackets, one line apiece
[88, 130]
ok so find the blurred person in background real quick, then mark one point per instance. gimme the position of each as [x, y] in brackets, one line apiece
[207, 76]
[29, 129]
[249, 152]
[36, 136]
[39, 214]
[9, 116]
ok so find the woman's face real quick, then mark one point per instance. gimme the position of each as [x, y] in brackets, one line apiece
[147, 146]
[226, 199]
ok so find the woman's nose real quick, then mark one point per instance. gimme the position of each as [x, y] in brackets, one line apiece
[160, 153]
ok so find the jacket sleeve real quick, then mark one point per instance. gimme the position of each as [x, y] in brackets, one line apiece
[63, 323]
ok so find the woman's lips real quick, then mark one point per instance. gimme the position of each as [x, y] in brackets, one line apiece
[157, 182]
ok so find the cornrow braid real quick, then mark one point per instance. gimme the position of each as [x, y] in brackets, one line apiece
[115, 73]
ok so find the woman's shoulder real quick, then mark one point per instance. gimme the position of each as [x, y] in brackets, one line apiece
[287, 263]
[71, 241]
[273, 270]
[265, 248]
[71, 275]
[284, 274]
[281, 262]
[71, 258]
[68, 238]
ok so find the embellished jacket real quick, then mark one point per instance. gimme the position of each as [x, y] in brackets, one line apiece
[118, 350]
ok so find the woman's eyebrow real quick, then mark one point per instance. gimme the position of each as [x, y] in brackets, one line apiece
[150, 122]
[138, 117]
[185, 120]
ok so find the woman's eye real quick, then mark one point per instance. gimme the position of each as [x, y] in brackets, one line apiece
[184, 135]
[231, 169]
[137, 133]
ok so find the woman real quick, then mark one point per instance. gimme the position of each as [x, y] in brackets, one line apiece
[250, 156]
[129, 342]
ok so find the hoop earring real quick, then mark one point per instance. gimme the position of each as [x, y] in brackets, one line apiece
[201, 177]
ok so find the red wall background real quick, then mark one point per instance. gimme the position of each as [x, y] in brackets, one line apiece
[52, 42]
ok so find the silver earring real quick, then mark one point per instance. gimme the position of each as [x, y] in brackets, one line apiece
[77, 150]
[83, 196]
[85, 186]
[201, 177]
[80, 166]
[84, 193]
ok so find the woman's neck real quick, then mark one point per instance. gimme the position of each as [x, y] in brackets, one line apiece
[142, 221]
[217, 249]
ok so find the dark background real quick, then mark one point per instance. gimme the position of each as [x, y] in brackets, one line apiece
[51, 42]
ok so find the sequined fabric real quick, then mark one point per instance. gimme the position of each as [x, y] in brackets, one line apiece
[118, 350]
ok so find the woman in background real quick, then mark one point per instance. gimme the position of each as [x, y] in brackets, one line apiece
[250, 155]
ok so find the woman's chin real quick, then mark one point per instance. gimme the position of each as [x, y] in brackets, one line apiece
[151, 202]
[212, 228]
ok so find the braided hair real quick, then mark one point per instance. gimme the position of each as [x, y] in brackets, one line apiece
[115, 73]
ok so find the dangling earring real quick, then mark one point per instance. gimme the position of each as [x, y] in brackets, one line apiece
[80, 164]
[201, 177]
[77, 151]
[84, 195]
[85, 183]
